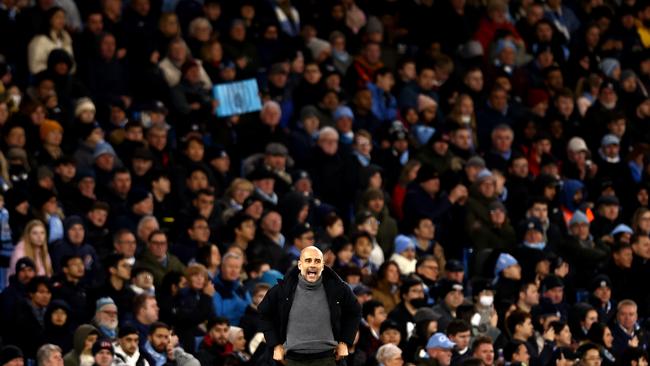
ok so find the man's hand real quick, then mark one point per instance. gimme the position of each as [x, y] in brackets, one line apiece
[457, 193]
[278, 353]
[341, 351]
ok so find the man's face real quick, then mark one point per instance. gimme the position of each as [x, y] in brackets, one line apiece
[25, 275]
[42, 296]
[462, 139]
[604, 294]
[430, 270]
[219, 334]
[107, 316]
[104, 358]
[231, 268]
[642, 247]
[160, 339]
[75, 268]
[126, 245]
[129, 343]
[443, 356]
[499, 100]
[378, 317]
[580, 231]
[539, 211]
[454, 299]
[76, 234]
[474, 80]
[461, 339]
[246, 231]
[485, 352]
[150, 311]
[527, 328]
[555, 294]
[272, 223]
[122, 183]
[502, 140]
[623, 258]
[98, 217]
[158, 245]
[311, 264]
[197, 180]
[200, 231]
[425, 230]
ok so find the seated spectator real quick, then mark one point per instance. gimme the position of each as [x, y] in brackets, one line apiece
[230, 299]
[157, 259]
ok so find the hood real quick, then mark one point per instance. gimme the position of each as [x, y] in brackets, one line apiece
[569, 189]
[80, 337]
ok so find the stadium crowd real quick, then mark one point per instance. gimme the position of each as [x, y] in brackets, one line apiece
[477, 171]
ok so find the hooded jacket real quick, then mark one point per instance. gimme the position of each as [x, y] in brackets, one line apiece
[78, 341]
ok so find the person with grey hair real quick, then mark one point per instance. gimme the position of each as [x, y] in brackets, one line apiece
[49, 355]
[389, 355]
[147, 225]
[231, 298]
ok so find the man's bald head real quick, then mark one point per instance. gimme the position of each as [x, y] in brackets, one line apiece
[311, 263]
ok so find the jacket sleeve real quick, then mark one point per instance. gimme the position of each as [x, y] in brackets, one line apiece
[350, 316]
[269, 314]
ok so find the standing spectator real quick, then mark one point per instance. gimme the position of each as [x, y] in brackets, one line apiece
[313, 286]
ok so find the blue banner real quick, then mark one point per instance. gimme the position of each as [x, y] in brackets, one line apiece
[237, 98]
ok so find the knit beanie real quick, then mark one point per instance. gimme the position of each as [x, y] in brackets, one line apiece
[49, 126]
[84, 104]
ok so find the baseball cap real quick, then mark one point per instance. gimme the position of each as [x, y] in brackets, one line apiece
[440, 340]
[610, 139]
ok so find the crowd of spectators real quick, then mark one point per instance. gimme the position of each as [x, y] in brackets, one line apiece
[476, 170]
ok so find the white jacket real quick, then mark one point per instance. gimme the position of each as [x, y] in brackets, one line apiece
[130, 361]
[406, 266]
[173, 75]
[40, 47]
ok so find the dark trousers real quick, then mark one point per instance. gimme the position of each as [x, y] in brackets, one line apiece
[325, 361]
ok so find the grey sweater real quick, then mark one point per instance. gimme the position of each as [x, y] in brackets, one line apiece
[309, 329]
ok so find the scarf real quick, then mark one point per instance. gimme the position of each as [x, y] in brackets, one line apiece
[158, 358]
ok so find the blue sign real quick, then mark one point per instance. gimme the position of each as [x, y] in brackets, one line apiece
[237, 98]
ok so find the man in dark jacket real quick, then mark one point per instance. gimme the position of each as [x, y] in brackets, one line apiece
[294, 312]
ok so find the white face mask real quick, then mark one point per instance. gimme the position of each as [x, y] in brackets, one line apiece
[16, 99]
[466, 119]
[86, 360]
[486, 300]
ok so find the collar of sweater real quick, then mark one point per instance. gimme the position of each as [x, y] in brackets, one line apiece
[310, 286]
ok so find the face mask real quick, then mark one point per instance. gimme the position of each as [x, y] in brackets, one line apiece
[538, 246]
[486, 300]
[419, 303]
[466, 119]
[16, 99]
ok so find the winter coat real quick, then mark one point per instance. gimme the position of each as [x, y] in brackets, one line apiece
[345, 312]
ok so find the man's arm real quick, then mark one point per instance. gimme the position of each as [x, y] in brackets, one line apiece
[350, 317]
[268, 314]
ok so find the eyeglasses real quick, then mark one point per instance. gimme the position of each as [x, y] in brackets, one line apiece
[109, 312]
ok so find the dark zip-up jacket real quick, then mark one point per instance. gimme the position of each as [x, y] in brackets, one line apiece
[345, 312]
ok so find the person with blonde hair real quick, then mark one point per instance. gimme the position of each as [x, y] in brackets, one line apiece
[34, 246]
[194, 304]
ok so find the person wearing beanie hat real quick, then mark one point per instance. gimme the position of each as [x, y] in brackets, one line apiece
[85, 110]
[611, 67]
[404, 254]
[450, 296]
[11, 356]
[49, 126]
[320, 49]
[106, 317]
[104, 349]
